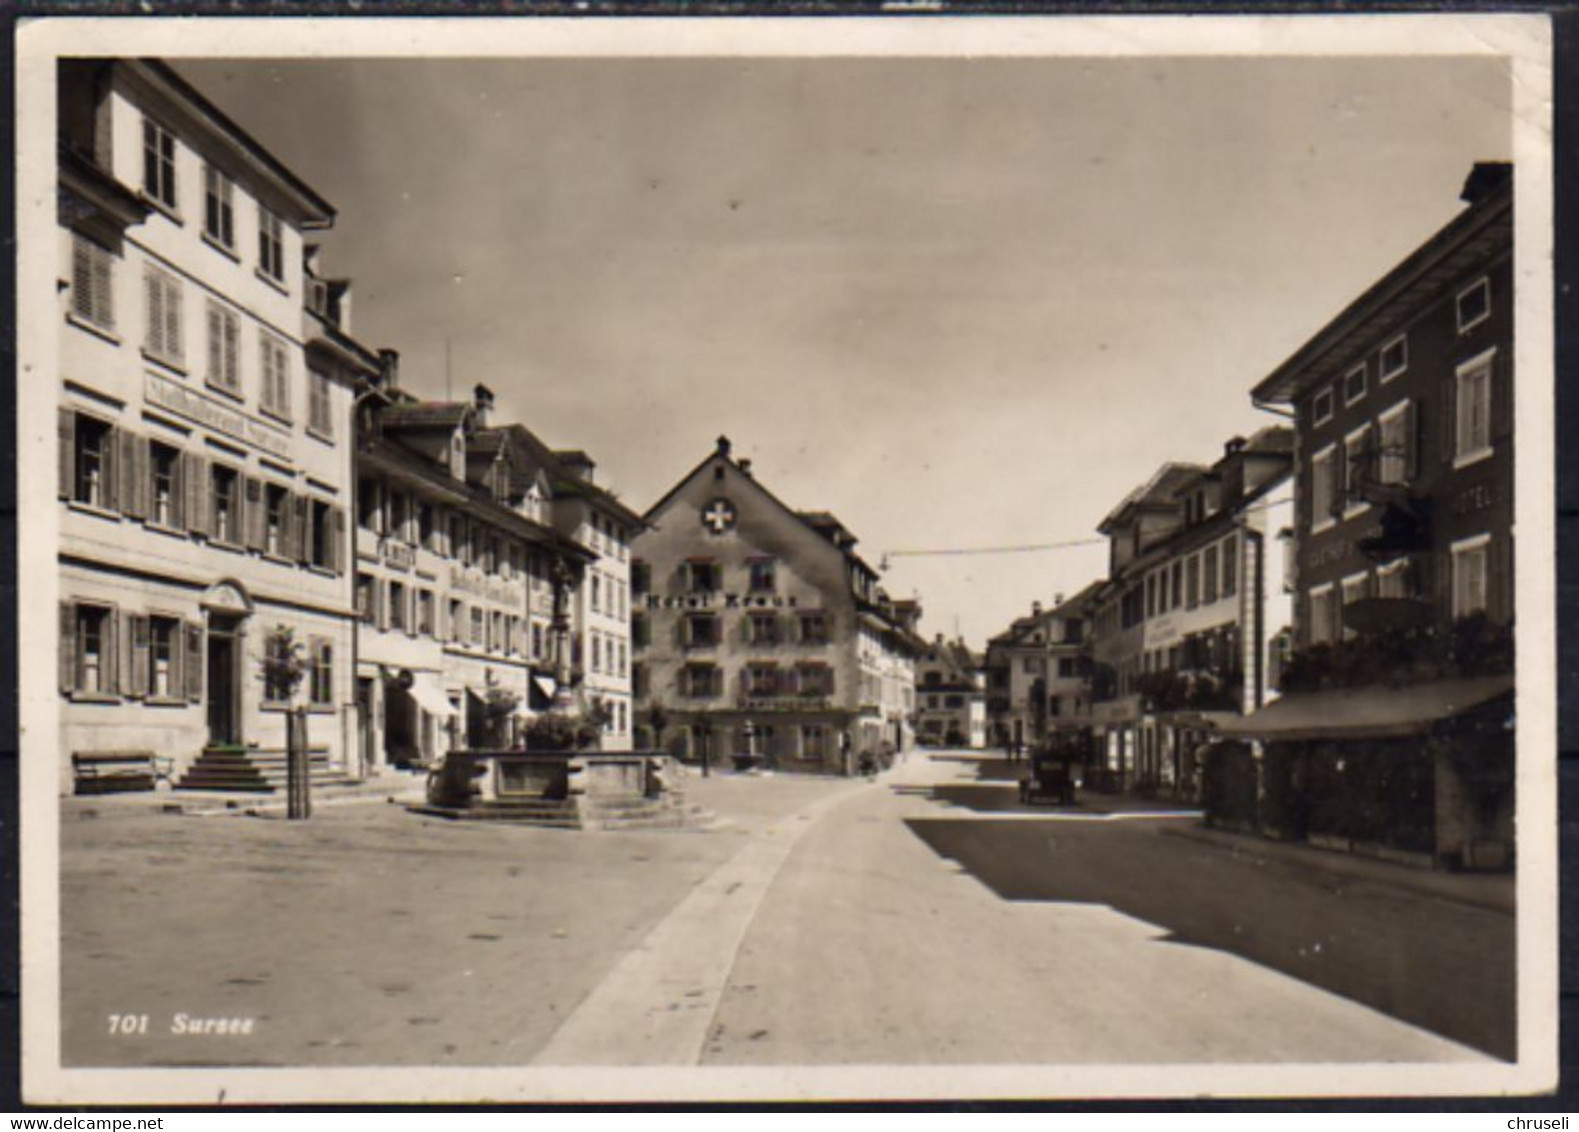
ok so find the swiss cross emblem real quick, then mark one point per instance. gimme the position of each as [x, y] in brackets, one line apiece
[719, 516]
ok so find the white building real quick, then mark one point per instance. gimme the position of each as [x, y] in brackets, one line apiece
[204, 462]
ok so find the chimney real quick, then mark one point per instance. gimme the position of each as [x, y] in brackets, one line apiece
[1234, 446]
[1036, 609]
[723, 446]
[745, 466]
[1484, 179]
[576, 463]
[1058, 599]
[482, 403]
[389, 369]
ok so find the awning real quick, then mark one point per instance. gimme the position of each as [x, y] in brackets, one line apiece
[1375, 712]
[426, 691]
[544, 685]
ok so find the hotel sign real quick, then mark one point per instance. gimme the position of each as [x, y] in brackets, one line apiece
[713, 600]
[206, 411]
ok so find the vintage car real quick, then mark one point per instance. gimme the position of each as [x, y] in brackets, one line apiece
[1050, 781]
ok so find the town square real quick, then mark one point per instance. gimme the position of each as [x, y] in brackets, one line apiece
[787, 564]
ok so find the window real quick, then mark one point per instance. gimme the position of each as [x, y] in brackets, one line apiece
[320, 407]
[397, 605]
[1392, 580]
[1395, 357]
[1474, 305]
[271, 245]
[1395, 446]
[457, 537]
[224, 347]
[1354, 384]
[641, 576]
[276, 398]
[1192, 581]
[276, 681]
[537, 640]
[701, 630]
[324, 550]
[425, 612]
[164, 471]
[1359, 457]
[762, 680]
[496, 637]
[814, 743]
[1068, 669]
[700, 680]
[479, 629]
[1357, 587]
[597, 652]
[814, 628]
[276, 500]
[1209, 575]
[1178, 585]
[225, 513]
[426, 531]
[165, 340]
[164, 652]
[93, 462]
[594, 592]
[762, 575]
[92, 283]
[1323, 616]
[1323, 486]
[814, 679]
[95, 648]
[364, 597]
[457, 620]
[1321, 407]
[704, 575]
[159, 163]
[764, 629]
[624, 661]
[1469, 575]
[1230, 566]
[320, 685]
[219, 216]
[1472, 411]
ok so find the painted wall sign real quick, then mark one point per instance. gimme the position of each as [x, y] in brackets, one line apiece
[206, 411]
[721, 601]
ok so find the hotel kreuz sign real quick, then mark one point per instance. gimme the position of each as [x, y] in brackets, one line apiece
[730, 601]
[206, 411]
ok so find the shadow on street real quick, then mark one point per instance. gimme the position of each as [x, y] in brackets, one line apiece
[1431, 962]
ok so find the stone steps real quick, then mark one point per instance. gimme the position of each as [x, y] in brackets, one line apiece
[253, 772]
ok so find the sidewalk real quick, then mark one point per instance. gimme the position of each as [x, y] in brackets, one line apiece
[392, 788]
[1491, 891]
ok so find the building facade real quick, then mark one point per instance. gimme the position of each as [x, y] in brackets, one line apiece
[1039, 674]
[205, 454]
[463, 591]
[1403, 559]
[951, 696]
[759, 630]
[1195, 619]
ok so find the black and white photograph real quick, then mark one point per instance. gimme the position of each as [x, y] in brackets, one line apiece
[718, 560]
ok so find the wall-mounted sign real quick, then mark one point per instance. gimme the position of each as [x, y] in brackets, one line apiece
[721, 601]
[206, 411]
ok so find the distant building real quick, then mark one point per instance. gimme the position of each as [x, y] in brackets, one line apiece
[758, 628]
[205, 438]
[1194, 619]
[1039, 673]
[951, 696]
[1396, 732]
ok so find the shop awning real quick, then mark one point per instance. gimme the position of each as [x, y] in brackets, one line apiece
[426, 691]
[1375, 712]
[544, 685]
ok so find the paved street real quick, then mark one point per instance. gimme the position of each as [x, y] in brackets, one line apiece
[921, 918]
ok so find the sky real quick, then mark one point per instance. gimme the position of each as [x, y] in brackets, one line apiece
[959, 303]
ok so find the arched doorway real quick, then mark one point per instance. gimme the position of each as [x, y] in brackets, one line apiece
[227, 607]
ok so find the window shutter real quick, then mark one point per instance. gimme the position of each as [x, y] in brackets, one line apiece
[140, 659]
[1501, 378]
[1448, 399]
[256, 515]
[103, 302]
[81, 278]
[337, 559]
[380, 604]
[1413, 438]
[110, 666]
[68, 453]
[175, 341]
[410, 612]
[155, 302]
[1498, 591]
[67, 652]
[302, 511]
[194, 662]
[133, 475]
[216, 352]
[110, 469]
[288, 529]
[232, 351]
[194, 469]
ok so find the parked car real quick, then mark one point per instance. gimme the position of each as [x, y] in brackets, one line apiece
[1051, 781]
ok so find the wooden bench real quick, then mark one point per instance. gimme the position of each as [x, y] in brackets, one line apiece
[111, 772]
